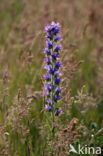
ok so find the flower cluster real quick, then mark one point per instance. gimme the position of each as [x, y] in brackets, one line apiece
[52, 51]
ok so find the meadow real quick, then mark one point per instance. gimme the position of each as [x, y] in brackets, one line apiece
[24, 126]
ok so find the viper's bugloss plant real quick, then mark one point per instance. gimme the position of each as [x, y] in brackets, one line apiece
[52, 78]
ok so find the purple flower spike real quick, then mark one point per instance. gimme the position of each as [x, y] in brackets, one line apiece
[52, 65]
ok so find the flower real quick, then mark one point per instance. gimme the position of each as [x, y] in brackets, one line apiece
[51, 70]
[47, 60]
[56, 98]
[49, 87]
[53, 28]
[58, 65]
[49, 44]
[55, 56]
[47, 51]
[47, 77]
[58, 111]
[58, 38]
[52, 78]
[49, 108]
[57, 81]
[58, 90]
[49, 101]
[57, 48]
[57, 74]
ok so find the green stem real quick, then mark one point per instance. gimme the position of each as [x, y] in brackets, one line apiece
[53, 116]
[52, 82]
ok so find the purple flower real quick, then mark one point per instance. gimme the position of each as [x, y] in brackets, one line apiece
[49, 87]
[53, 28]
[47, 77]
[47, 60]
[56, 98]
[49, 101]
[47, 67]
[50, 36]
[58, 65]
[57, 81]
[58, 112]
[58, 48]
[49, 44]
[52, 71]
[58, 38]
[47, 51]
[57, 74]
[49, 108]
[48, 28]
[55, 56]
[58, 90]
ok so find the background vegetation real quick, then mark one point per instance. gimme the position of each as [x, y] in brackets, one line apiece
[23, 125]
